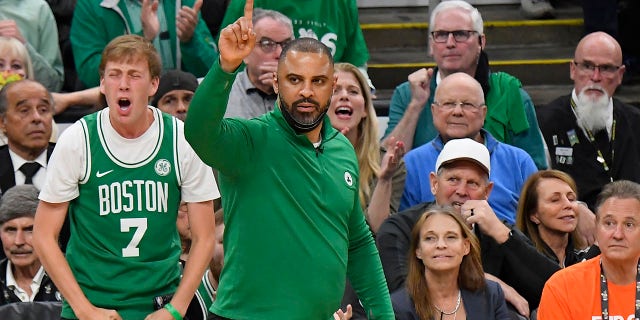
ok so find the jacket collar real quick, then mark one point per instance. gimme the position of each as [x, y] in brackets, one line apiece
[489, 141]
[109, 3]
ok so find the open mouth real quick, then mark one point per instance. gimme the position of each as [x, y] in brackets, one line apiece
[344, 113]
[124, 103]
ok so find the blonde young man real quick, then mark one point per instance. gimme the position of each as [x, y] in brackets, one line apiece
[119, 174]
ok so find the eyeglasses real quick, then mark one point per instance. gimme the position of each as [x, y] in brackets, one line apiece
[465, 106]
[606, 70]
[267, 45]
[442, 36]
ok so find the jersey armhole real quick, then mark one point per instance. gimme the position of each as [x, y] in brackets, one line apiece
[87, 151]
[176, 155]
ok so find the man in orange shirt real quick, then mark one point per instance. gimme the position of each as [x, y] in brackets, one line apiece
[607, 285]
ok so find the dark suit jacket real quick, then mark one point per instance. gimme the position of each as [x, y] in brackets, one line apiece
[8, 180]
[7, 176]
[484, 304]
[47, 291]
[572, 152]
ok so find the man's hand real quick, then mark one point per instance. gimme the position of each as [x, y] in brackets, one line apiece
[149, 19]
[586, 228]
[9, 29]
[516, 300]
[237, 40]
[101, 314]
[187, 20]
[511, 296]
[419, 83]
[267, 72]
[478, 212]
[341, 315]
[405, 130]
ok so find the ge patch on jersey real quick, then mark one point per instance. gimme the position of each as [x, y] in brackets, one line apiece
[162, 167]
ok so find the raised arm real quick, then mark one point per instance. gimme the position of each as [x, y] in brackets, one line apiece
[197, 46]
[405, 129]
[527, 269]
[204, 118]
[381, 202]
[237, 40]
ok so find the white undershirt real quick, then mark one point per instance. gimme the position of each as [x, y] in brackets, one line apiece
[38, 178]
[19, 292]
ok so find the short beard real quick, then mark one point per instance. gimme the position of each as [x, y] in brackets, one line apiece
[592, 113]
[304, 118]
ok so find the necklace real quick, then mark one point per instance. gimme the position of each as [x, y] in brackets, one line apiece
[454, 311]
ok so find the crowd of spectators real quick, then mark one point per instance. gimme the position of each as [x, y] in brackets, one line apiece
[475, 202]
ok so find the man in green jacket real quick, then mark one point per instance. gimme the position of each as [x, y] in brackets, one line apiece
[294, 228]
[181, 38]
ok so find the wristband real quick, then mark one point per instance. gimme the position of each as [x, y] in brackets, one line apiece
[174, 312]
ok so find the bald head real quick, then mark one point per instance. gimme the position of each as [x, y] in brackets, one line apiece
[601, 42]
[597, 67]
[26, 117]
[458, 83]
[458, 108]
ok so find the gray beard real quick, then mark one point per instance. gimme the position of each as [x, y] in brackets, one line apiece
[592, 114]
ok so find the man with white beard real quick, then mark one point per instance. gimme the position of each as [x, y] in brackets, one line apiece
[590, 134]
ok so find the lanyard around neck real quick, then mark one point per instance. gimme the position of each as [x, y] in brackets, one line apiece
[600, 156]
[604, 293]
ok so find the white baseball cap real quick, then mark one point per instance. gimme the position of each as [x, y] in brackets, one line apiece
[464, 149]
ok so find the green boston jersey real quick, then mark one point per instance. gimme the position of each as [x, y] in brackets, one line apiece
[124, 247]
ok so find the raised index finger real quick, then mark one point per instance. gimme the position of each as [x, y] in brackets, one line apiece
[248, 10]
[197, 5]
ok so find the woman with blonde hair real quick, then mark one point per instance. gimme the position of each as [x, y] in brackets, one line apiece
[381, 177]
[382, 172]
[445, 278]
[548, 215]
[14, 58]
